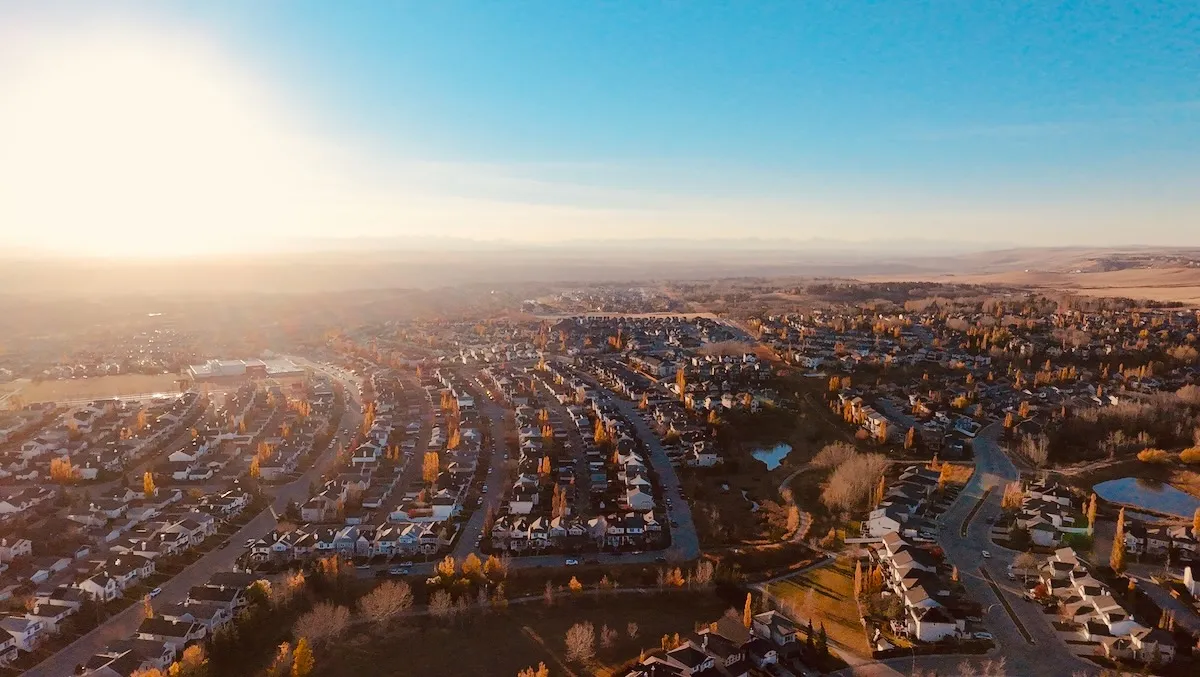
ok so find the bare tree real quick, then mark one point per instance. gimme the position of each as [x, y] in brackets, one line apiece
[850, 485]
[965, 669]
[1036, 449]
[581, 642]
[608, 637]
[325, 622]
[631, 629]
[441, 604]
[386, 602]
[833, 455]
[703, 574]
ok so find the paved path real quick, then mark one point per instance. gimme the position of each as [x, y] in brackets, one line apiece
[124, 624]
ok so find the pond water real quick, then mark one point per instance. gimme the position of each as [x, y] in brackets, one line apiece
[774, 456]
[1149, 495]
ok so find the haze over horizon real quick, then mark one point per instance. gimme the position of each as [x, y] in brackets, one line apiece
[160, 129]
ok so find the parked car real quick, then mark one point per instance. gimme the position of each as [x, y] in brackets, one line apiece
[572, 562]
[982, 635]
[156, 592]
[986, 554]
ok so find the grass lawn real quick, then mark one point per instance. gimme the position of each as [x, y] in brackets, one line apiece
[833, 602]
[504, 642]
[99, 387]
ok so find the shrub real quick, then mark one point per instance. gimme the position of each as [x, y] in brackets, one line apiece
[1154, 456]
[1190, 456]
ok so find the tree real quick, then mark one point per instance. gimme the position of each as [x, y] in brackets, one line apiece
[325, 622]
[441, 604]
[282, 664]
[631, 629]
[858, 579]
[472, 567]
[910, 438]
[575, 585]
[548, 594]
[822, 642]
[608, 637]
[254, 468]
[704, 573]
[302, 659]
[386, 602]
[1091, 512]
[430, 467]
[446, 567]
[1196, 524]
[748, 613]
[493, 569]
[1117, 559]
[193, 663]
[147, 608]
[581, 642]
[1156, 456]
[540, 671]
[148, 484]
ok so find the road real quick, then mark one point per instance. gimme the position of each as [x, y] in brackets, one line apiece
[1047, 655]
[494, 482]
[125, 623]
[685, 544]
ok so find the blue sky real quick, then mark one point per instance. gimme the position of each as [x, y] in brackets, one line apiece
[1023, 122]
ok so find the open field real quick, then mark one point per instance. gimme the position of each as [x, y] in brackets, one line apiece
[832, 602]
[92, 388]
[1181, 284]
[504, 642]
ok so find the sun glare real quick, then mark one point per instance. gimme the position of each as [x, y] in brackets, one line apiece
[134, 145]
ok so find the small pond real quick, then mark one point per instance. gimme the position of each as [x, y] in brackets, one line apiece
[774, 456]
[1148, 495]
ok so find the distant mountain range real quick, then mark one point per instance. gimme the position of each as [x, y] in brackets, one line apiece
[333, 265]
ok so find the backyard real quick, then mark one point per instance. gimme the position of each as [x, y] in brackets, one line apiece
[831, 601]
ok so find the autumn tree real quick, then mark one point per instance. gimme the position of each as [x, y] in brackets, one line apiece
[386, 602]
[148, 488]
[910, 438]
[472, 567]
[430, 467]
[574, 585]
[1196, 524]
[192, 663]
[540, 671]
[446, 567]
[302, 659]
[281, 665]
[1091, 513]
[1116, 560]
[493, 569]
[748, 612]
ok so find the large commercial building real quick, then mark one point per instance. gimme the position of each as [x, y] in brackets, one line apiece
[230, 371]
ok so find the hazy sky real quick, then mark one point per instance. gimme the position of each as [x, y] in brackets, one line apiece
[150, 128]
